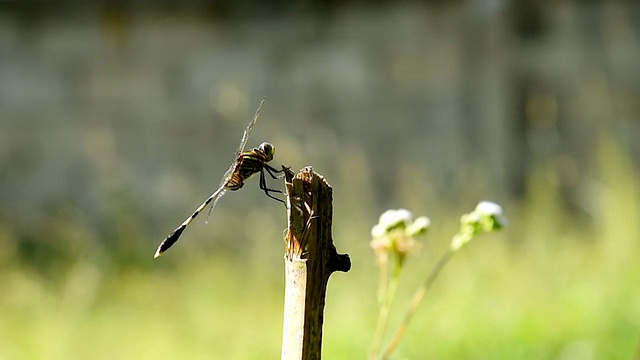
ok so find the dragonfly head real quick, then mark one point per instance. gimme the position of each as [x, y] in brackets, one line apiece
[268, 150]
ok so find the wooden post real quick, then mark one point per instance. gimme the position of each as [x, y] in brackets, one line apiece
[310, 258]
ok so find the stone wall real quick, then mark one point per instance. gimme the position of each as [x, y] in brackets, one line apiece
[97, 100]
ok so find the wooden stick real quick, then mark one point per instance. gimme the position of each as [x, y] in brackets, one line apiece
[310, 258]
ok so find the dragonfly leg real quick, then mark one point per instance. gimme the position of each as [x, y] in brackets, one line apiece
[267, 191]
[272, 171]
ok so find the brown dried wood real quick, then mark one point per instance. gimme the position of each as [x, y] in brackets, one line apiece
[310, 258]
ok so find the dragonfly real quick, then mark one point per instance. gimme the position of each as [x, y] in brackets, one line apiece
[244, 165]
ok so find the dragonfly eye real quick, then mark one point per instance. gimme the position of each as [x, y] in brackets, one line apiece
[268, 150]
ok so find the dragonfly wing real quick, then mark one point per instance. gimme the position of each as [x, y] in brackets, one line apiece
[214, 203]
[227, 174]
[239, 150]
[223, 183]
[247, 131]
[175, 235]
[241, 146]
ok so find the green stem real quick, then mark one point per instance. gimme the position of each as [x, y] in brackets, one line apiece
[384, 282]
[415, 301]
[386, 298]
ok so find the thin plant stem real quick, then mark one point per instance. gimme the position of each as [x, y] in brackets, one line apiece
[415, 302]
[383, 287]
[384, 281]
[386, 296]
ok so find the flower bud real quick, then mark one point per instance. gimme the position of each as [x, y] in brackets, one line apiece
[419, 227]
[486, 217]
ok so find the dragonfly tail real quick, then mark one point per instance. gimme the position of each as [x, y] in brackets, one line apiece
[169, 241]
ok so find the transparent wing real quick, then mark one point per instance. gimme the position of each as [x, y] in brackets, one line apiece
[239, 150]
[247, 131]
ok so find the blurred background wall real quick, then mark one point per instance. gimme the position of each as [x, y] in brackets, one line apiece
[118, 118]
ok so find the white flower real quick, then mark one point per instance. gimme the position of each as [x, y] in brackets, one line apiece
[395, 218]
[377, 231]
[493, 211]
[419, 227]
[486, 217]
[489, 208]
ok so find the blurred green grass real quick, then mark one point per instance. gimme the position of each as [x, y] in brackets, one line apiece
[549, 287]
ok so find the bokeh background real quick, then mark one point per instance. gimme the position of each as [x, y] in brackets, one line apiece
[118, 118]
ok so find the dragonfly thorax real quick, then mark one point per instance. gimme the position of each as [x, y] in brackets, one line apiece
[268, 150]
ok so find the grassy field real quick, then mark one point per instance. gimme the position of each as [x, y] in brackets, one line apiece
[548, 287]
